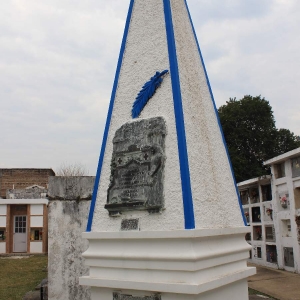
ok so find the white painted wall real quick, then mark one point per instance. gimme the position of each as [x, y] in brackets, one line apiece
[285, 186]
[184, 263]
[36, 209]
[24, 201]
[146, 52]
[214, 195]
[36, 247]
[233, 291]
[2, 247]
[36, 221]
[2, 221]
[162, 256]
[265, 221]
[280, 186]
[3, 210]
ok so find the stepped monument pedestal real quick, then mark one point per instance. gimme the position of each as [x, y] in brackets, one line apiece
[165, 220]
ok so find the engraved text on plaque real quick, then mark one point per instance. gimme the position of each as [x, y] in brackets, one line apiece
[137, 166]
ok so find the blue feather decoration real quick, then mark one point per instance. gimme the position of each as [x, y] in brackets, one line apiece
[146, 93]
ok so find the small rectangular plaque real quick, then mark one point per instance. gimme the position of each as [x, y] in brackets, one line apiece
[137, 167]
[119, 296]
[130, 224]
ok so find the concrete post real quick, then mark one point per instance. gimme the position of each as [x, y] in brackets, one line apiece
[69, 202]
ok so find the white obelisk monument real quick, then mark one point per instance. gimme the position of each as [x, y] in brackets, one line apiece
[165, 220]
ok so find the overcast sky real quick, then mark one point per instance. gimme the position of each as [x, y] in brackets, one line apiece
[58, 61]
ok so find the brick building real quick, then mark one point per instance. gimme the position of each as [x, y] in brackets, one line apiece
[24, 221]
[23, 178]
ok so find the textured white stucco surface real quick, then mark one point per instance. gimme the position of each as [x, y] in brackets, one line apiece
[66, 221]
[163, 257]
[146, 52]
[234, 291]
[214, 195]
[184, 262]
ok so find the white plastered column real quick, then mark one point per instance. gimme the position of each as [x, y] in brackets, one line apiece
[208, 262]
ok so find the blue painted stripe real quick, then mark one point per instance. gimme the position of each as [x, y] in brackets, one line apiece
[217, 115]
[109, 114]
[188, 208]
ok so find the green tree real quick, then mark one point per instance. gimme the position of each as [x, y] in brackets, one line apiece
[251, 135]
[286, 141]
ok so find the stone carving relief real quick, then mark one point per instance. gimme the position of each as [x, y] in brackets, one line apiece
[137, 167]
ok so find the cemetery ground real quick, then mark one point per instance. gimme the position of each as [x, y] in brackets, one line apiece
[21, 274]
[278, 284]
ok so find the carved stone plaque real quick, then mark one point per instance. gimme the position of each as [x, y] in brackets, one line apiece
[129, 224]
[118, 296]
[137, 167]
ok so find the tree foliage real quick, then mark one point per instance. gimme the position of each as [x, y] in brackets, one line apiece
[251, 135]
[69, 169]
[286, 141]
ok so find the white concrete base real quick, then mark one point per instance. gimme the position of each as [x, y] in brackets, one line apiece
[185, 264]
[228, 292]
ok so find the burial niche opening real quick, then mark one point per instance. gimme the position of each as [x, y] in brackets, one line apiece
[137, 167]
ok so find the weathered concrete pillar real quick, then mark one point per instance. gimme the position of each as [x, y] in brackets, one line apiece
[69, 202]
[165, 219]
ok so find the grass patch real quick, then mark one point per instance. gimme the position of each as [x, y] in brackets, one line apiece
[19, 276]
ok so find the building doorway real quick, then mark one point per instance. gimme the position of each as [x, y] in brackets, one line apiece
[20, 234]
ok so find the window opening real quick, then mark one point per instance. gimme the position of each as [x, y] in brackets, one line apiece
[266, 191]
[295, 166]
[2, 234]
[271, 253]
[36, 234]
[279, 170]
[257, 233]
[297, 197]
[258, 252]
[244, 197]
[270, 233]
[256, 216]
[20, 224]
[254, 195]
[288, 256]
